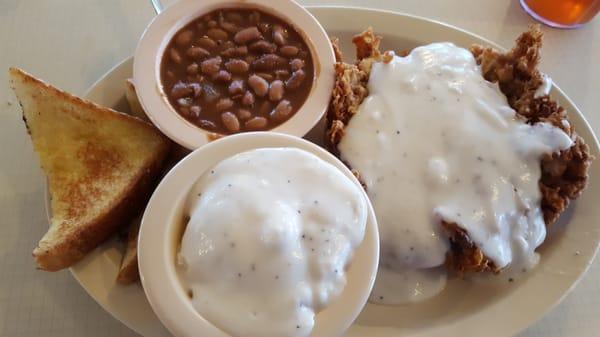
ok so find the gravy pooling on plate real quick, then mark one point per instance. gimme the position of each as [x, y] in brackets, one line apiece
[434, 141]
[270, 234]
[237, 69]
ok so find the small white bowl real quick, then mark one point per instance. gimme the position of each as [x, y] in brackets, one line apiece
[150, 49]
[162, 227]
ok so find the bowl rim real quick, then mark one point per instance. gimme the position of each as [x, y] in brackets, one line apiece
[163, 27]
[157, 242]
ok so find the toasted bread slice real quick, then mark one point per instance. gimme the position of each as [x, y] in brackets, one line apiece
[128, 272]
[100, 165]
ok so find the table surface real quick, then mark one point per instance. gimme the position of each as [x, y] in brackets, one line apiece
[72, 43]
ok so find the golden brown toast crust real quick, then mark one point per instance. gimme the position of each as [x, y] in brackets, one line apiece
[98, 162]
[128, 272]
[87, 238]
[564, 174]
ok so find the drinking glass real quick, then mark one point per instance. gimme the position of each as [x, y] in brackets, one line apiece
[562, 13]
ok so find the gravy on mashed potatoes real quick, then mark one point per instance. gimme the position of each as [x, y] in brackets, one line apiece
[270, 234]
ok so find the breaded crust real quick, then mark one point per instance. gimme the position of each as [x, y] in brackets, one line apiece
[101, 166]
[564, 174]
[350, 87]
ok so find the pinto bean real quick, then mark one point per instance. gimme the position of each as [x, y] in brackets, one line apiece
[295, 80]
[248, 98]
[276, 91]
[243, 114]
[206, 124]
[211, 66]
[180, 90]
[195, 111]
[210, 93]
[184, 101]
[174, 55]
[279, 35]
[184, 38]
[267, 77]
[197, 52]
[256, 123]
[192, 69]
[246, 35]
[241, 50]
[289, 51]
[196, 88]
[224, 104]
[237, 66]
[281, 74]
[206, 42]
[281, 111]
[259, 85]
[268, 62]
[228, 26]
[236, 87]
[217, 34]
[222, 76]
[235, 51]
[230, 121]
[262, 46]
[296, 64]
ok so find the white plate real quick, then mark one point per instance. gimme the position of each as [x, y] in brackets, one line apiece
[494, 308]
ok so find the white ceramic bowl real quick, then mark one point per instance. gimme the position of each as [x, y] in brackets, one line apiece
[148, 55]
[161, 231]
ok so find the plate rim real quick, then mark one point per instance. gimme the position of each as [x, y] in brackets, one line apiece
[594, 145]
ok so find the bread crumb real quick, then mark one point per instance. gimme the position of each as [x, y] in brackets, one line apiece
[388, 56]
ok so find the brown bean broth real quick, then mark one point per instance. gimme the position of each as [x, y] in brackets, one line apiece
[180, 71]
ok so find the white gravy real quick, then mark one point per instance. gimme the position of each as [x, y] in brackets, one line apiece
[544, 89]
[435, 141]
[270, 234]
